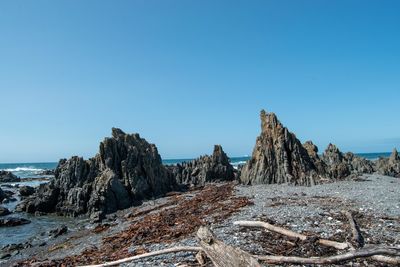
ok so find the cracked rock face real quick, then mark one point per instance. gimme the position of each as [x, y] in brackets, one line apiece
[340, 166]
[278, 157]
[126, 170]
[205, 169]
[389, 166]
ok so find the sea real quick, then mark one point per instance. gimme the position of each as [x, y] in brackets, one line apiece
[42, 224]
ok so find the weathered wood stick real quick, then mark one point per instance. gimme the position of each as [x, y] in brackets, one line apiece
[286, 232]
[355, 254]
[147, 255]
[222, 255]
[357, 237]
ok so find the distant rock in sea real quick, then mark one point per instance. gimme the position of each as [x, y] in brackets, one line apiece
[278, 157]
[205, 169]
[389, 166]
[8, 177]
[126, 170]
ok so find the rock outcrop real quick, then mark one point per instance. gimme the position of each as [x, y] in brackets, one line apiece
[340, 166]
[8, 177]
[205, 169]
[26, 190]
[126, 170]
[2, 195]
[312, 151]
[389, 166]
[278, 157]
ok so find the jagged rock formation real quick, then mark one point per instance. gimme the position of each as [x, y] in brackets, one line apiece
[126, 170]
[204, 169]
[278, 157]
[312, 151]
[389, 166]
[340, 166]
[8, 177]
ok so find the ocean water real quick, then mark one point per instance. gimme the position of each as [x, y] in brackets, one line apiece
[34, 170]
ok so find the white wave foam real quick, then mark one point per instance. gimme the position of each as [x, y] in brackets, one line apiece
[238, 162]
[24, 169]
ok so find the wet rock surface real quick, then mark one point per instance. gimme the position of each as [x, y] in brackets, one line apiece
[4, 211]
[126, 170]
[205, 169]
[8, 177]
[13, 221]
[278, 157]
[26, 191]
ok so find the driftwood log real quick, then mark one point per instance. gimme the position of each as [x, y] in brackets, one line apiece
[222, 255]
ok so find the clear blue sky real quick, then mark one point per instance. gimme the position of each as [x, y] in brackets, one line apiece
[190, 74]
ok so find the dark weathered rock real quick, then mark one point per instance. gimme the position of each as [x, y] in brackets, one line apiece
[63, 229]
[204, 169]
[278, 157]
[312, 151]
[2, 195]
[4, 211]
[11, 221]
[389, 166]
[26, 191]
[126, 170]
[8, 177]
[340, 166]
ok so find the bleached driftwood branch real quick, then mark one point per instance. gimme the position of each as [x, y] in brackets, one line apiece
[355, 254]
[286, 232]
[148, 255]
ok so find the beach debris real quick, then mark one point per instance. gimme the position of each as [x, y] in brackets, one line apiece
[222, 255]
[179, 218]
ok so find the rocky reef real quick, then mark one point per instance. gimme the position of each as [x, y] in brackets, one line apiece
[126, 170]
[8, 177]
[204, 169]
[340, 166]
[278, 157]
[389, 166]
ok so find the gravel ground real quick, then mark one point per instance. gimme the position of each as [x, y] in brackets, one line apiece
[373, 199]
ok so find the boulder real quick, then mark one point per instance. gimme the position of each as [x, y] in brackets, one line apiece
[8, 177]
[26, 191]
[389, 166]
[12, 221]
[4, 211]
[205, 169]
[278, 157]
[126, 170]
[63, 229]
